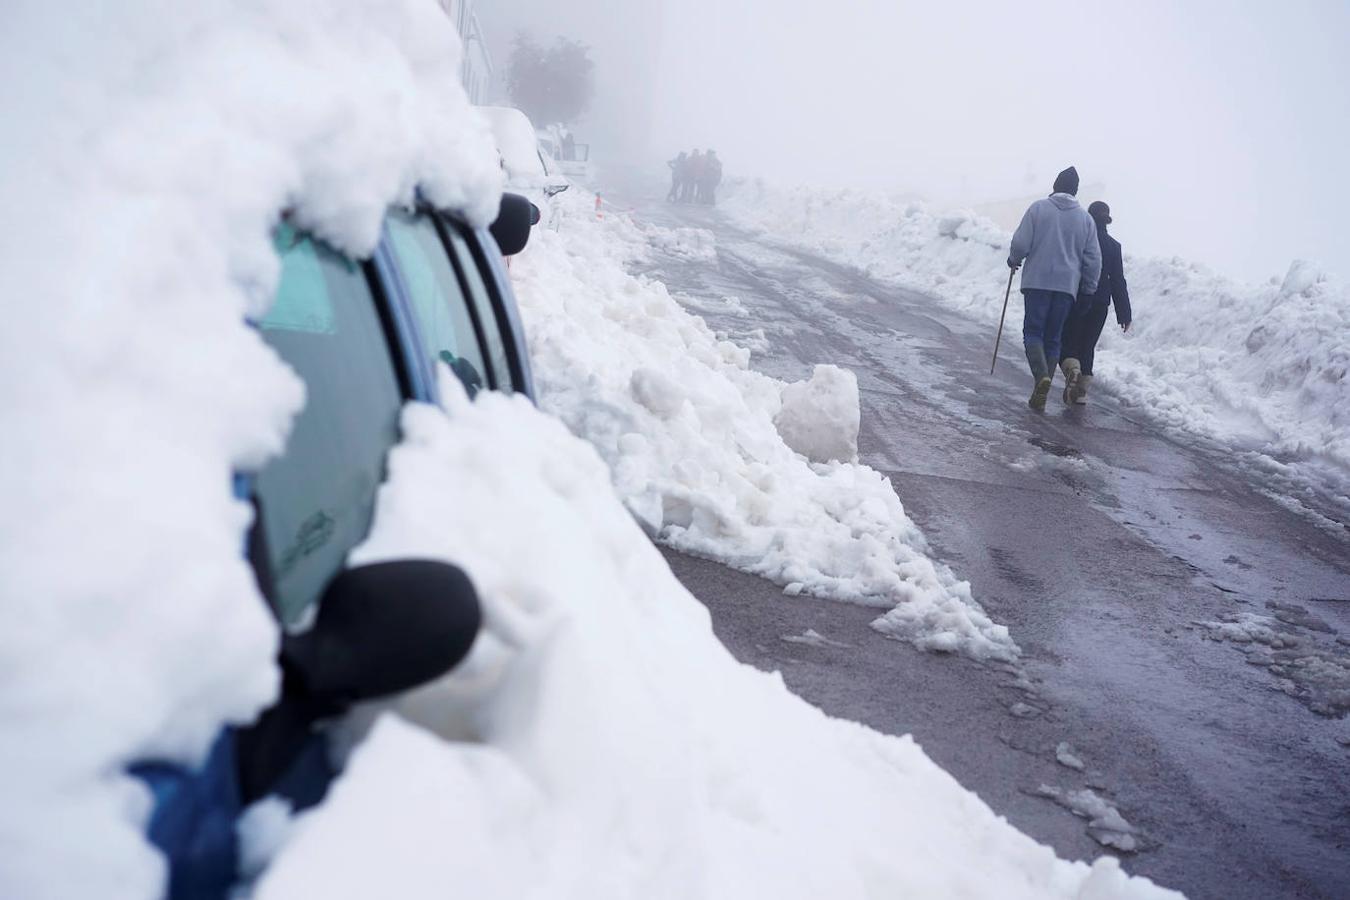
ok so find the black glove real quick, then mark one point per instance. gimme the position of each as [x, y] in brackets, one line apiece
[1014, 266]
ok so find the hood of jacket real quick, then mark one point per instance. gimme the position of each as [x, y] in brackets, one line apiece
[1064, 201]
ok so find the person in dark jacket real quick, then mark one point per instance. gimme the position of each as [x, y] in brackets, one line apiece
[1058, 242]
[693, 176]
[1084, 327]
[712, 177]
[679, 173]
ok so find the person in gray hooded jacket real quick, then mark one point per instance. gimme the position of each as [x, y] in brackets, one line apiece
[1057, 240]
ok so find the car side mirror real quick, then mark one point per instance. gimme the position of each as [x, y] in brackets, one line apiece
[380, 629]
[511, 230]
[555, 188]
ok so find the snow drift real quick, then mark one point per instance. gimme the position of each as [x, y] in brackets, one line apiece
[601, 743]
[1260, 368]
[695, 440]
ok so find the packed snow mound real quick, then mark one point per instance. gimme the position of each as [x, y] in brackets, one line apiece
[820, 417]
[1260, 367]
[688, 429]
[600, 742]
[145, 161]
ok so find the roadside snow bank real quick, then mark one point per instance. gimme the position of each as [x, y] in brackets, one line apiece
[689, 432]
[1260, 367]
[601, 743]
[146, 158]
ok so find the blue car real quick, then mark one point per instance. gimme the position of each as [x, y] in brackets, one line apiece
[365, 336]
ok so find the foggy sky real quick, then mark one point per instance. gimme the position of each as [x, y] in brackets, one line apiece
[1220, 129]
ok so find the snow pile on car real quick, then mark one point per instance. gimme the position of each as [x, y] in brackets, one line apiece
[146, 158]
[1262, 368]
[688, 429]
[600, 742]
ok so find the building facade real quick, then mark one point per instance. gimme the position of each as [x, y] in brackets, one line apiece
[476, 66]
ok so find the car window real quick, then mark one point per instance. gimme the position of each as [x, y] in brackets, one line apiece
[445, 323]
[316, 499]
[482, 303]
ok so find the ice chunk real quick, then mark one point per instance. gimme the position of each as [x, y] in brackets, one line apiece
[1065, 755]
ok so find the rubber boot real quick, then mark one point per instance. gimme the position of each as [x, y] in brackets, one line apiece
[1040, 371]
[1080, 390]
[1072, 371]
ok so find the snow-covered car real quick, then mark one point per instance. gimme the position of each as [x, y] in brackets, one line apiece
[565, 154]
[366, 337]
[528, 169]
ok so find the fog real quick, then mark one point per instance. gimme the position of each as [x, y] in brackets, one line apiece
[1218, 131]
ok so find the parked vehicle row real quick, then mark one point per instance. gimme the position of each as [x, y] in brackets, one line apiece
[365, 336]
[528, 168]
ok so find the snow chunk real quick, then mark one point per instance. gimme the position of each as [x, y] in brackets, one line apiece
[1244, 628]
[1106, 825]
[820, 417]
[658, 393]
[1065, 756]
[600, 741]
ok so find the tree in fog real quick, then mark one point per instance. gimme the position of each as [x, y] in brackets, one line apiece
[550, 84]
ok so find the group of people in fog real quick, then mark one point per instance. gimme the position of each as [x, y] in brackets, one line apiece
[694, 177]
[1072, 272]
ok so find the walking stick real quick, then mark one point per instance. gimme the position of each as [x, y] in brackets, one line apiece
[1006, 294]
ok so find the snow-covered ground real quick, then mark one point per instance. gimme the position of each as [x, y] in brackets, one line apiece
[1259, 369]
[599, 741]
[702, 446]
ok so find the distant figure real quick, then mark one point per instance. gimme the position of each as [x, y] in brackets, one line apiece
[569, 146]
[1058, 241]
[693, 175]
[1085, 323]
[712, 177]
[679, 172]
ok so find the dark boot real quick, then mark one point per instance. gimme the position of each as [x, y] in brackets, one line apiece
[1072, 371]
[1040, 371]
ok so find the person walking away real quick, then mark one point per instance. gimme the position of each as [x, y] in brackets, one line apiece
[694, 174]
[679, 167]
[1057, 240]
[1084, 327]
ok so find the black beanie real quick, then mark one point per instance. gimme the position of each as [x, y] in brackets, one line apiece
[1066, 182]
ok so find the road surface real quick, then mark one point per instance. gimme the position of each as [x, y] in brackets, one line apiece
[1105, 546]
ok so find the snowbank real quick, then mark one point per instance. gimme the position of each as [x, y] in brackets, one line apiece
[688, 429]
[601, 743]
[1257, 367]
[145, 160]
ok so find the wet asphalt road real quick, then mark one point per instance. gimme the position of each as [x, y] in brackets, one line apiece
[1102, 543]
